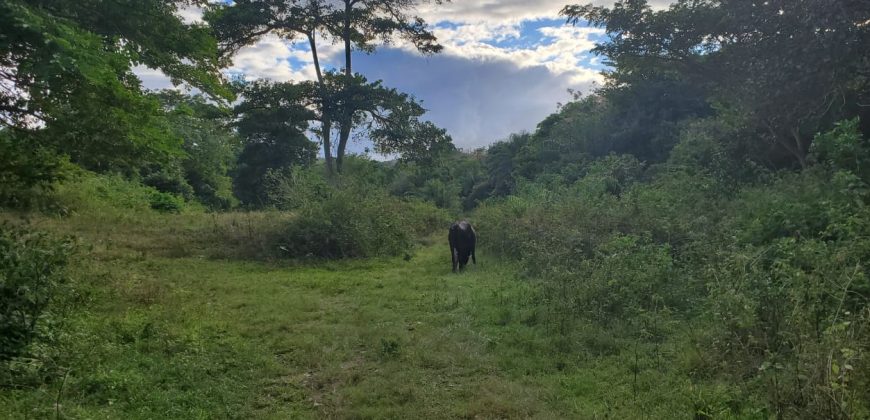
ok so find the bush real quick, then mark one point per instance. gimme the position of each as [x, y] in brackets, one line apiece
[27, 171]
[355, 223]
[443, 195]
[31, 275]
[793, 291]
[628, 276]
[844, 148]
[297, 187]
[167, 179]
[713, 148]
[611, 175]
[108, 195]
[166, 203]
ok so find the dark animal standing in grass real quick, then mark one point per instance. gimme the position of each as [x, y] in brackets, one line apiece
[462, 240]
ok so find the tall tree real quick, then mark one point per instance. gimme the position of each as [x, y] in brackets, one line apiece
[354, 24]
[210, 146]
[271, 121]
[66, 73]
[789, 68]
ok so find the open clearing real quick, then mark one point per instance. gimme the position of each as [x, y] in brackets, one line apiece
[194, 337]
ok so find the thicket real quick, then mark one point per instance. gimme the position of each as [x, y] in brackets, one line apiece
[768, 278]
[708, 198]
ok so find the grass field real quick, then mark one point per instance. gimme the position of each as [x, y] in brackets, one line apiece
[173, 332]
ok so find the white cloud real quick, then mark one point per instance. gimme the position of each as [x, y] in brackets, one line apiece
[560, 52]
[190, 14]
[476, 25]
[270, 59]
[505, 11]
[193, 14]
[152, 79]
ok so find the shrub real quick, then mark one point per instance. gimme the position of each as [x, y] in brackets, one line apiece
[31, 274]
[793, 292]
[422, 218]
[628, 275]
[165, 202]
[844, 148]
[611, 175]
[112, 195]
[443, 195]
[816, 203]
[297, 187]
[716, 149]
[355, 223]
[167, 179]
[27, 171]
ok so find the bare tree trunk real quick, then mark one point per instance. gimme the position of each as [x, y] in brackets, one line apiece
[326, 122]
[347, 115]
[792, 145]
[326, 128]
[799, 148]
[344, 135]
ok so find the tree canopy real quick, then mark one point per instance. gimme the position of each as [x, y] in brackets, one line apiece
[358, 25]
[751, 58]
[66, 74]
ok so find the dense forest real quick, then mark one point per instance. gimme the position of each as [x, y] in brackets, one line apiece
[691, 239]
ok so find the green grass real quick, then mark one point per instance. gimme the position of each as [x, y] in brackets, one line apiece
[174, 333]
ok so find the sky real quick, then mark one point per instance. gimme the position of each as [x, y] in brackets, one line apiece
[506, 65]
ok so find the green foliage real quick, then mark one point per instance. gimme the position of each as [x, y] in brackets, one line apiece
[625, 278]
[32, 274]
[443, 195]
[450, 182]
[26, 171]
[356, 222]
[296, 187]
[390, 118]
[794, 292]
[70, 84]
[845, 148]
[209, 146]
[774, 271]
[611, 175]
[258, 160]
[713, 148]
[166, 203]
[271, 112]
[735, 53]
[271, 122]
[112, 195]
[167, 179]
[416, 141]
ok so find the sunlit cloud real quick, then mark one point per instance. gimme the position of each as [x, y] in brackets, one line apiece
[272, 58]
[561, 49]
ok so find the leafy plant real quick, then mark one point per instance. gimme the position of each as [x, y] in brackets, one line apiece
[32, 273]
